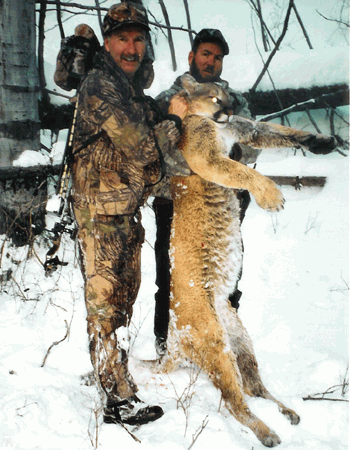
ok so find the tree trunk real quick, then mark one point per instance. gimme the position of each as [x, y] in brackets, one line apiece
[19, 121]
[22, 199]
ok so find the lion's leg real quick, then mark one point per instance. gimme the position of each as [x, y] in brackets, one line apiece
[254, 386]
[269, 135]
[207, 348]
[248, 367]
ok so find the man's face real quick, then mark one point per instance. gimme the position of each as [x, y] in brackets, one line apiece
[127, 47]
[206, 63]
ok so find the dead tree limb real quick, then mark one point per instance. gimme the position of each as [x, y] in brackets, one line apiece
[199, 431]
[59, 18]
[268, 73]
[322, 395]
[299, 182]
[335, 112]
[97, 3]
[322, 398]
[102, 9]
[302, 26]
[263, 22]
[170, 36]
[55, 343]
[188, 21]
[129, 432]
[341, 22]
[314, 103]
[278, 43]
[70, 5]
[312, 120]
[331, 121]
[263, 35]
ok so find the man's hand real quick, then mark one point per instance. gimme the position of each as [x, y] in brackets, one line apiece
[178, 106]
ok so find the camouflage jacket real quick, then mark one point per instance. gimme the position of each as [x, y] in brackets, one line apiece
[114, 174]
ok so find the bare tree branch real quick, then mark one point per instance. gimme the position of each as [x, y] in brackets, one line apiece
[101, 8]
[97, 3]
[55, 343]
[284, 31]
[263, 35]
[331, 121]
[272, 82]
[322, 398]
[59, 18]
[334, 20]
[70, 5]
[264, 24]
[188, 21]
[302, 25]
[199, 431]
[170, 37]
[312, 120]
[299, 106]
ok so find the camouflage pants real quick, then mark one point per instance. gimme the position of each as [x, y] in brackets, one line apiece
[111, 256]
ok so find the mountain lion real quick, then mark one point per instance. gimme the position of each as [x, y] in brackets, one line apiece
[206, 249]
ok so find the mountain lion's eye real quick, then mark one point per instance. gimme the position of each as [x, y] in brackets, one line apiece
[216, 100]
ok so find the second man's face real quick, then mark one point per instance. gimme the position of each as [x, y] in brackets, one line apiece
[127, 47]
[206, 63]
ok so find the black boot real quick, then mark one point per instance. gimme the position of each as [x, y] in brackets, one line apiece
[131, 411]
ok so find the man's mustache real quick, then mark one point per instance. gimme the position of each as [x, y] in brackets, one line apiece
[209, 69]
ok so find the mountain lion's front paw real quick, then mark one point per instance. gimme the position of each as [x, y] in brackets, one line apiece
[319, 143]
[268, 196]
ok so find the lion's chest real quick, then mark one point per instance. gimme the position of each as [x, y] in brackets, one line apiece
[206, 238]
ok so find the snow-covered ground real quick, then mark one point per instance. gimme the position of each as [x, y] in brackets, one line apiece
[294, 304]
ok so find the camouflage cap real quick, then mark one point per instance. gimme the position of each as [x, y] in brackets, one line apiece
[211, 35]
[124, 14]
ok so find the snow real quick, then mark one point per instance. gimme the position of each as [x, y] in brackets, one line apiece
[295, 289]
[30, 158]
[294, 306]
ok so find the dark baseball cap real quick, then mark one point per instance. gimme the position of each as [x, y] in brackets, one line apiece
[211, 35]
[124, 14]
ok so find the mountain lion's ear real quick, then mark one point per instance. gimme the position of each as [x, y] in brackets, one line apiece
[189, 83]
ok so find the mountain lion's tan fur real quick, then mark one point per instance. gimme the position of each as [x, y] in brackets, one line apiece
[206, 249]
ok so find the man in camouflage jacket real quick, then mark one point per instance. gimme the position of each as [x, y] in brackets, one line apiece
[112, 178]
[205, 61]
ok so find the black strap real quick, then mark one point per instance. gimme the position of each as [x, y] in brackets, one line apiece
[88, 141]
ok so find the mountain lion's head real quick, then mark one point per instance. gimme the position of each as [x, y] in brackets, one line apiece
[207, 99]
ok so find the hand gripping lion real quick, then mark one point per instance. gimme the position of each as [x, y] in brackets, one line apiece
[206, 248]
